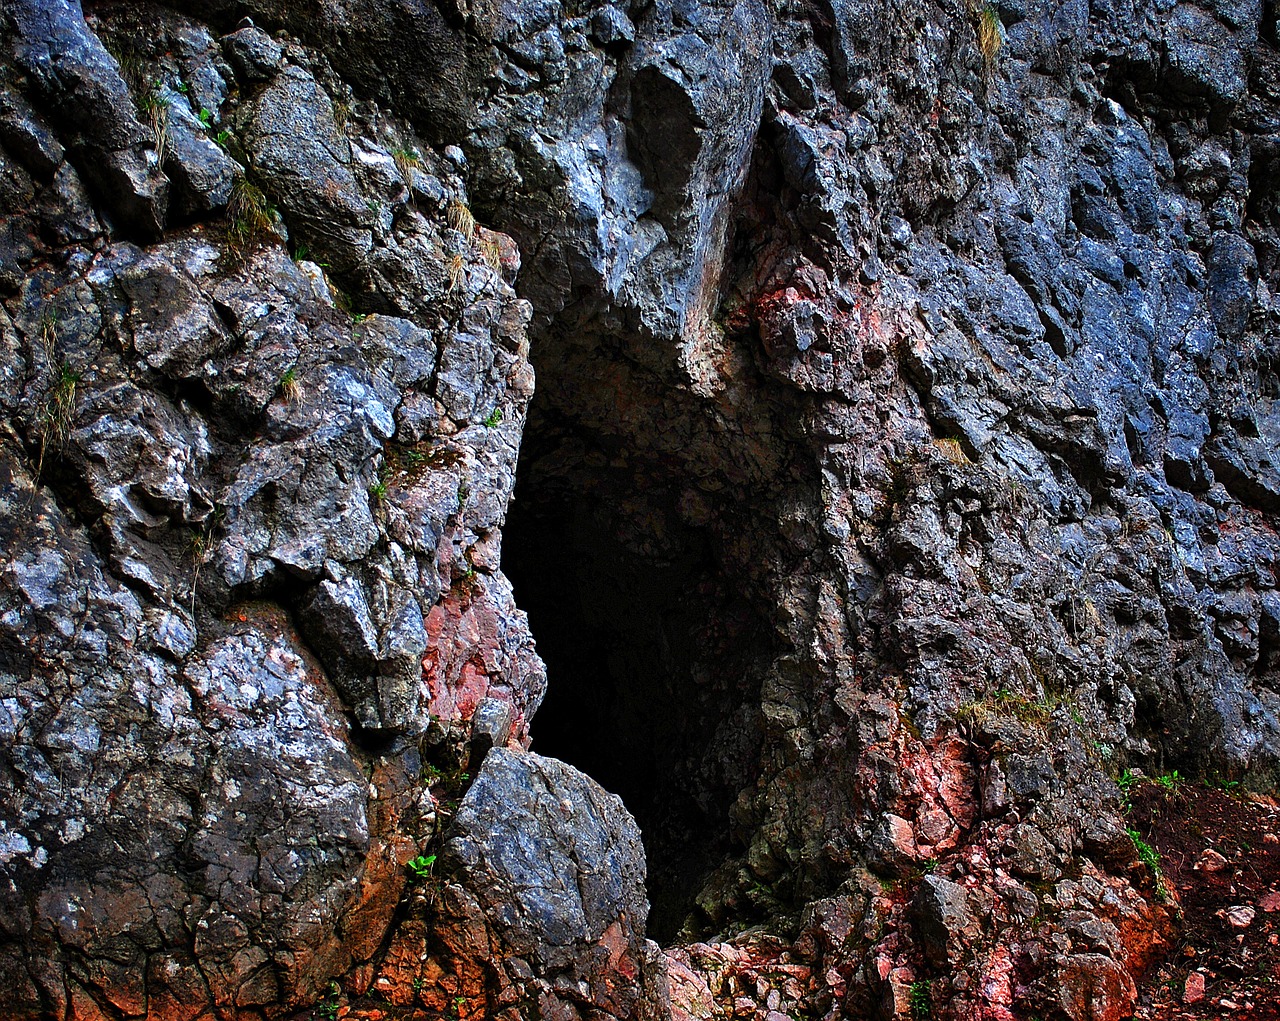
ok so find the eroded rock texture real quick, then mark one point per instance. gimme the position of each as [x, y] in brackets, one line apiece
[902, 469]
[264, 381]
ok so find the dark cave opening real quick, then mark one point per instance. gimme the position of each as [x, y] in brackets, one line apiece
[651, 652]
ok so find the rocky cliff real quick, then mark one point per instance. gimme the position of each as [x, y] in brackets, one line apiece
[904, 467]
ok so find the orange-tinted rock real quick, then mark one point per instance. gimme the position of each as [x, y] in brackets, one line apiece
[1095, 988]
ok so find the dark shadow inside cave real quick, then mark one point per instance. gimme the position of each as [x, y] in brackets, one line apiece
[652, 653]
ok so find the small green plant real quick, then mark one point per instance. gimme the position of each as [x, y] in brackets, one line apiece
[182, 88]
[1147, 854]
[406, 160]
[1169, 781]
[290, 389]
[249, 212]
[920, 1001]
[494, 419]
[58, 414]
[378, 489]
[332, 1003]
[152, 98]
[205, 117]
[222, 139]
[421, 867]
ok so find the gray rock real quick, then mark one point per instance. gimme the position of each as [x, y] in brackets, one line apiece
[943, 915]
[295, 149]
[76, 77]
[611, 26]
[27, 137]
[557, 865]
[490, 726]
[254, 54]
[201, 173]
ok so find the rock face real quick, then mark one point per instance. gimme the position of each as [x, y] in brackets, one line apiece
[256, 453]
[903, 467]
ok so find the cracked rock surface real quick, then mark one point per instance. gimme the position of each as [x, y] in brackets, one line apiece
[906, 436]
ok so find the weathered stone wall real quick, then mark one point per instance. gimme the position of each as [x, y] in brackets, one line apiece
[942, 331]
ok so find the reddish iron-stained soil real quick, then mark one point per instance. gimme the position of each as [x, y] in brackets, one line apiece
[1230, 905]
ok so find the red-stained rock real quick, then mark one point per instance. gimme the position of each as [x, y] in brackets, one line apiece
[1210, 861]
[1095, 988]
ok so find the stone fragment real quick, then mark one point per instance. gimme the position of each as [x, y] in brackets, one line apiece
[80, 82]
[255, 55]
[1092, 987]
[942, 912]
[1193, 988]
[26, 135]
[1210, 861]
[892, 847]
[1239, 916]
[557, 865]
[609, 26]
[305, 162]
[490, 726]
[202, 174]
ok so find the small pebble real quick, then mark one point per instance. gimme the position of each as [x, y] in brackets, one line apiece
[1210, 861]
[1240, 916]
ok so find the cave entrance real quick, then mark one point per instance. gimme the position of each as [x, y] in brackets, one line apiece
[650, 651]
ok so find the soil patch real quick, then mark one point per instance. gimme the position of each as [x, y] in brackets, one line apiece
[1220, 856]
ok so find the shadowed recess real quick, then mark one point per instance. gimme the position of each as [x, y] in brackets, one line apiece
[649, 654]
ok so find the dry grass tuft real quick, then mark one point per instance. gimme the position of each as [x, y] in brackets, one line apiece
[290, 387]
[461, 220]
[989, 37]
[456, 267]
[491, 251]
[407, 161]
[59, 413]
[951, 450]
